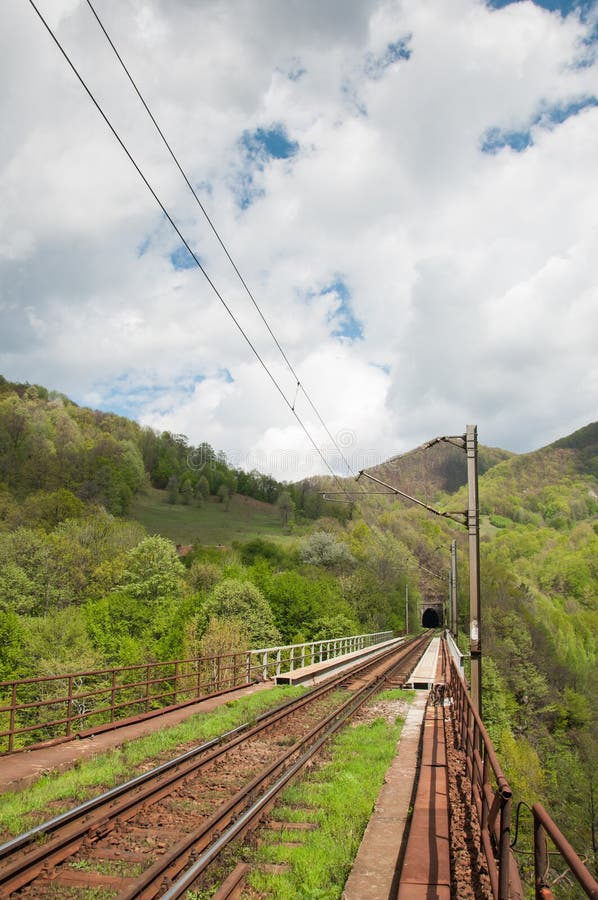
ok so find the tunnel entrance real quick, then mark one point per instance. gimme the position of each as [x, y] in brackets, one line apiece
[431, 618]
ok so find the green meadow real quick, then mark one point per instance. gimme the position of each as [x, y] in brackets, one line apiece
[211, 524]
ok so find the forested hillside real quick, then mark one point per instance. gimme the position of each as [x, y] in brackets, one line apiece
[84, 585]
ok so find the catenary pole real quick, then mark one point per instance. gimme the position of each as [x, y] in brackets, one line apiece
[454, 614]
[473, 528]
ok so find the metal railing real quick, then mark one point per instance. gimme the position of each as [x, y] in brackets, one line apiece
[453, 648]
[490, 790]
[544, 825]
[60, 707]
[491, 795]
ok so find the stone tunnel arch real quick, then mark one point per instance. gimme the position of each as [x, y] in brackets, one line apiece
[432, 618]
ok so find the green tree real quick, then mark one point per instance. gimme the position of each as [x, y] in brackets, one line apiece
[224, 496]
[323, 549]
[243, 601]
[173, 489]
[153, 570]
[286, 507]
[223, 637]
[11, 645]
[17, 590]
[186, 492]
[202, 489]
[59, 643]
[328, 627]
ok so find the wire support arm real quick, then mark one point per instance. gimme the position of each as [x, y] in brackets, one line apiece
[457, 440]
[459, 517]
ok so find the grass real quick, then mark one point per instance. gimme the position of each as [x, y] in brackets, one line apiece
[339, 798]
[55, 792]
[397, 694]
[210, 523]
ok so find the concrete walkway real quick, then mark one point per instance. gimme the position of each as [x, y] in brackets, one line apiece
[374, 874]
[425, 673]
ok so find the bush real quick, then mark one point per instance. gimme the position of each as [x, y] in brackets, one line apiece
[243, 601]
[323, 549]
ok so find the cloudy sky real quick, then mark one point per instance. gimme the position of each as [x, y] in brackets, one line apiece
[408, 187]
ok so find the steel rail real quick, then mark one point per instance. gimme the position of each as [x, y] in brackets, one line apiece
[114, 793]
[236, 819]
[70, 828]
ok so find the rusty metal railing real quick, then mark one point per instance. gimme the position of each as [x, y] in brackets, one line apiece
[544, 825]
[56, 708]
[490, 790]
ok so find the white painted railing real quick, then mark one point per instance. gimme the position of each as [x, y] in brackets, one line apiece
[455, 653]
[270, 661]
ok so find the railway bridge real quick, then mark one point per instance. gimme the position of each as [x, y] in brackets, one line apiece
[441, 827]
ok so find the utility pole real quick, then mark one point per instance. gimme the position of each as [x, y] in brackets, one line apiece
[406, 609]
[473, 528]
[453, 576]
[470, 518]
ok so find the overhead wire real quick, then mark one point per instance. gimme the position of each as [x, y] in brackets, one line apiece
[374, 529]
[185, 242]
[299, 385]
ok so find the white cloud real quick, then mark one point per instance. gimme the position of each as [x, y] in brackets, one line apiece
[472, 274]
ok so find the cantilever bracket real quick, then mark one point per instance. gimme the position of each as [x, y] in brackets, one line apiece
[461, 518]
[457, 440]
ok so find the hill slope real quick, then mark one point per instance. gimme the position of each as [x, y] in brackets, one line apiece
[440, 468]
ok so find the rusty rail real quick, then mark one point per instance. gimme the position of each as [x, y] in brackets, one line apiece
[56, 708]
[490, 790]
[544, 825]
[82, 829]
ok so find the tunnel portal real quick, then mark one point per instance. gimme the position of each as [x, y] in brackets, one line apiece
[432, 617]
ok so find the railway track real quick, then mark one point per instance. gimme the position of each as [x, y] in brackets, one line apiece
[156, 834]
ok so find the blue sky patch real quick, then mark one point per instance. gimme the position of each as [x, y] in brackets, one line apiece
[562, 6]
[264, 143]
[258, 148]
[384, 367]
[496, 138]
[556, 115]
[182, 259]
[375, 66]
[125, 398]
[343, 317]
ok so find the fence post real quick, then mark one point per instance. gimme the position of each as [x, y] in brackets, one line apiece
[265, 665]
[485, 781]
[504, 849]
[13, 715]
[540, 858]
[69, 706]
[112, 695]
[176, 680]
